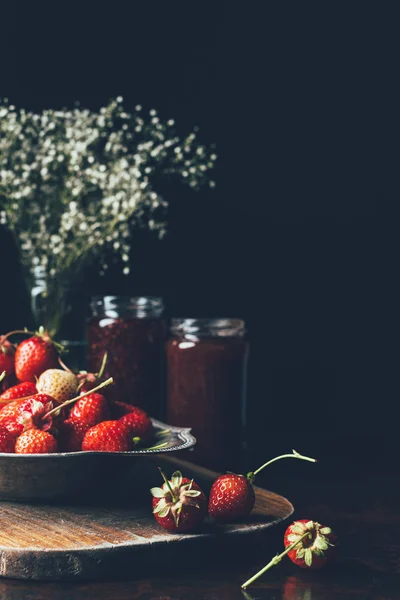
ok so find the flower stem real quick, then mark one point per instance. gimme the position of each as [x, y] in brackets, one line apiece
[58, 408]
[277, 559]
[293, 455]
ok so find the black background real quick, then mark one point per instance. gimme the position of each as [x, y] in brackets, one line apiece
[296, 239]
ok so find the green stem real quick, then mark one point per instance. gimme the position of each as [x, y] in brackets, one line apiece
[293, 455]
[174, 498]
[2, 375]
[277, 559]
[103, 365]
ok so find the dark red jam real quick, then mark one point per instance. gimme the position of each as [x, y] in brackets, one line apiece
[206, 370]
[133, 333]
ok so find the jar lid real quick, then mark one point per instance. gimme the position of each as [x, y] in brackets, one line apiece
[215, 327]
[140, 306]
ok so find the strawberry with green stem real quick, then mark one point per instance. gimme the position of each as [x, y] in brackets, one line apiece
[35, 354]
[307, 543]
[57, 410]
[232, 496]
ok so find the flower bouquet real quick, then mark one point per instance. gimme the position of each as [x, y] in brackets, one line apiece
[74, 183]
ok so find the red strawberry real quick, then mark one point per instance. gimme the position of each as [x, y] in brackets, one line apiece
[35, 355]
[232, 496]
[108, 436]
[308, 544]
[35, 441]
[21, 414]
[313, 545]
[7, 441]
[119, 409]
[70, 435]
[91, 409]
[138, 423]
[179, 505]
[21, 390]
[7, 354]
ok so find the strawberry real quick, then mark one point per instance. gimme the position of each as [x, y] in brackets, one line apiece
[108, 436]
[7, 361]
[119, 409]
[232, 496]
[91, 409]
[179, 505]
[312, 545]
[29, 412]
[7, 441]
[35, 355]
[61, 385]
[21, 390]
[70, 435]
[35, 441]
[138, 423]
[308, 544]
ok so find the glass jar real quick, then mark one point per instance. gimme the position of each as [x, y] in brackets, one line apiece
[206, 390]
[132, 332]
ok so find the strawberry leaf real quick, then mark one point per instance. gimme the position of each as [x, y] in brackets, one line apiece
[164, 511]
[308, 557]
[192, 493]
[157, 492]
[176, 479]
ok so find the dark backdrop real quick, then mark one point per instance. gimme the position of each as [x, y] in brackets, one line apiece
[295, 238]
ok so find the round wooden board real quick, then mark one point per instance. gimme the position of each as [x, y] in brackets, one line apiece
[49, 542]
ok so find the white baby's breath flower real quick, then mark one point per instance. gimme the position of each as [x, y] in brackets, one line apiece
[73, 182]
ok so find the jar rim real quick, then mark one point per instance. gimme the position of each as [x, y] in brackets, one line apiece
[215, 326]
[142, 304]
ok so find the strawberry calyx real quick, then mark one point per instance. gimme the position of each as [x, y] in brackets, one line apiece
[36, 417]
[174, 496]
[317, 542]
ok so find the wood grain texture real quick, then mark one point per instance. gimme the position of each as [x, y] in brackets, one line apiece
[62, 542]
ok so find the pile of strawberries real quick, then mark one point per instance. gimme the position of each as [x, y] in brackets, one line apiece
[46, 409]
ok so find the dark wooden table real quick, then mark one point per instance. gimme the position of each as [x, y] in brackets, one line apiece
[361, 506]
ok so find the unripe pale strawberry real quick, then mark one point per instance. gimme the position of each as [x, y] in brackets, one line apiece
[59, 384]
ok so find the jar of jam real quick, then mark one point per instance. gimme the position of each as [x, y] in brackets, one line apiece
[132, 332]
[206, 372]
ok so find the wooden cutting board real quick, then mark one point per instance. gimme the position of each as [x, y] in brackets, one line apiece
[55, 542]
